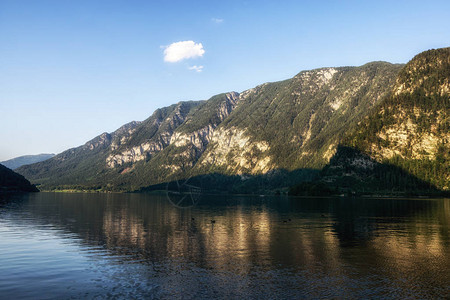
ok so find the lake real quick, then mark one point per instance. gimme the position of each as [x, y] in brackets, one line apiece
[63, 246]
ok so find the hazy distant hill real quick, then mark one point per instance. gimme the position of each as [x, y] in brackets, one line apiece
[282, 132]
[13, 182]
[14, 163]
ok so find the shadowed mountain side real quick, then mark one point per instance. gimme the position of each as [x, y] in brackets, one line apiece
[275, 182]
[10, 181]
[351, 172]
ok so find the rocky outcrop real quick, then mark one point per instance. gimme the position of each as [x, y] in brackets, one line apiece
[135, 154]
[201, 137]
[405, 139]
[236, 152]
[123, 134]
[227, 106]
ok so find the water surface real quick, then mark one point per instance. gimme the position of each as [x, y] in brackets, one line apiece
[62, 246]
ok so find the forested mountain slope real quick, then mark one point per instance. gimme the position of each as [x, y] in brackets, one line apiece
[286, 126]
[296, 123]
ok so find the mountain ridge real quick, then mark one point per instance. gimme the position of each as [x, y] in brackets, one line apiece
[294, 124]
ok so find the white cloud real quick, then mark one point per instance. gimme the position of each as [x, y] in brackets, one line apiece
[217, 20]
[196, 68]
[183, 50]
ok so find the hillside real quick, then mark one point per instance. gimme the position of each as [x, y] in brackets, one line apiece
[13, 182]
[17, 162]
[91, 165]
[284, 128]
[411, 129]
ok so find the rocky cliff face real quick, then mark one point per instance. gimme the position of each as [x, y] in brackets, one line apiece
[234, 151]
[418, 110]
[200, 134]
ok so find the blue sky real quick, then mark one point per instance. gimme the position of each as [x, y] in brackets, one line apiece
[70, 70]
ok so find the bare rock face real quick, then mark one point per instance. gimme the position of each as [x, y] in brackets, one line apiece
[235, 151]
[200, 138]
[405, 139]
[134, 154]
[422, 78]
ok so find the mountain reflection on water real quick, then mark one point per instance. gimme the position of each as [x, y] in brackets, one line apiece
[139, 245]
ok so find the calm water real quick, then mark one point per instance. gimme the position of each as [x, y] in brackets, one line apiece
[58, 246]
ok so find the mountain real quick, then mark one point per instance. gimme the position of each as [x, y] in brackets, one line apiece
[286, 131]
[13, 182]
[89, 166]
[16, 162]
[411, 129]
[403, 145]
[296, 123]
